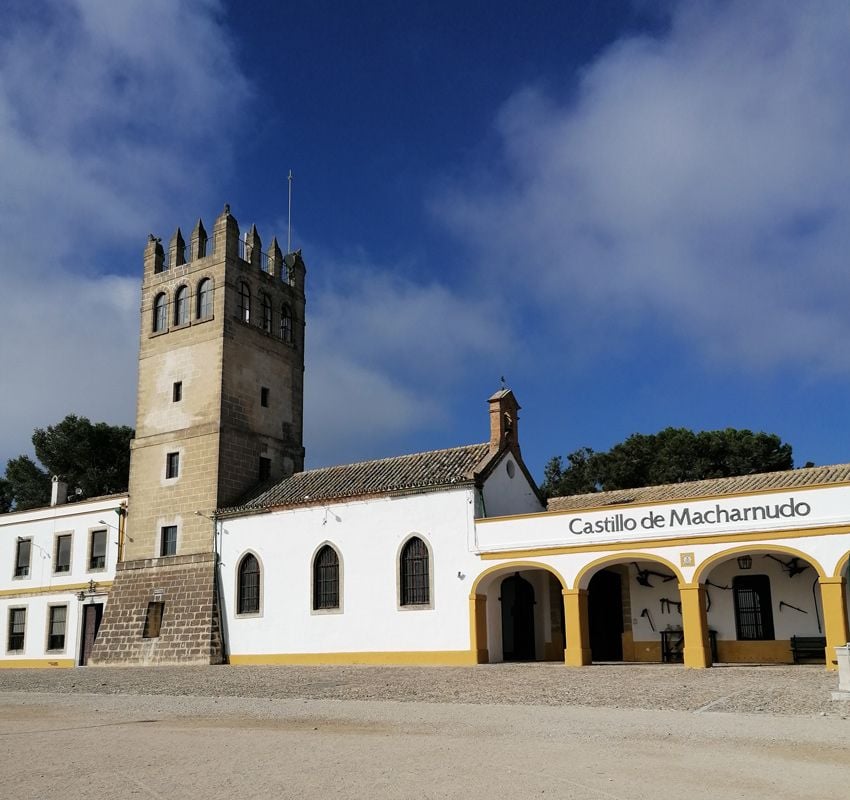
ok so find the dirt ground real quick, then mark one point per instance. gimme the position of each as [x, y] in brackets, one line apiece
[104, 736]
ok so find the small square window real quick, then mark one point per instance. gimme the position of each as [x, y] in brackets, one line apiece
[97, 550]
[62, 555]
[177, 392]
[153, 620]
[264, 397]
[265, 468]
[172, 465]
[168, 542]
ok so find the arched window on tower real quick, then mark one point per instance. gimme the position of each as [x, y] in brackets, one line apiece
[415, 575]
[326, 579]
[248, 596]
[160, 313]
[286, 324]
[181, 306]
[244, 302]
[205, 299]
[267, 313]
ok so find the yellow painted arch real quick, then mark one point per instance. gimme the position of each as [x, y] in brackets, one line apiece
[842, 563]
[515, 566]
[701, 571]
[617, 558]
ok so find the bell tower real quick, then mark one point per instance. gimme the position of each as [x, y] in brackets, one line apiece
[219, 412]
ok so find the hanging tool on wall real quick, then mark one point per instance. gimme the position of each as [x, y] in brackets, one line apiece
[667, 604]
[794, 566]
[815, 595]
[644, 574]
[788, 605]
[718, 586]
[707, 601]
[645, 613]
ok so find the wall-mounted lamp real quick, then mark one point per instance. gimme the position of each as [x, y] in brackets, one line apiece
[745, 562]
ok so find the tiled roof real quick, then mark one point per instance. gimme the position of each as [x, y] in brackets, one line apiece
[789, 479]
[433, 469]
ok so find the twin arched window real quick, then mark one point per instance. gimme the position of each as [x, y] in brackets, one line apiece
[181, 306]
[160, 313]
[414, 573]
[244, 302]
[286, 324]
[248, 591]
[205, 306]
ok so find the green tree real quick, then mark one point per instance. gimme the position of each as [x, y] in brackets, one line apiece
[92, 457]
[672, 455]
[5, 496]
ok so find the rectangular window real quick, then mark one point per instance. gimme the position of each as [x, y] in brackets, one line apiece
[153, 620]
[264, 397]
[17, 627]
[97, 550]
[168, 546]
[177, 392]
[56, 628]
[22, 558]
[62, 556]
[172, 465]
[265, 468]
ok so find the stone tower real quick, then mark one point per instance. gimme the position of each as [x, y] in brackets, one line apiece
[219, 412]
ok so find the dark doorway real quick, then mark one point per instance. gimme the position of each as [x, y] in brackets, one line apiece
[753, 608]
[517, 619]
[605, 616]
[92, 615]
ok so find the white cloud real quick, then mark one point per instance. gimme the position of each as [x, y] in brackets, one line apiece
[699, 181]
[110, 120]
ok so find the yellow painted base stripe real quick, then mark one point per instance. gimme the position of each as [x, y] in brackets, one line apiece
[450, 658]
[58, 588]
[35, 663]
[680, 541]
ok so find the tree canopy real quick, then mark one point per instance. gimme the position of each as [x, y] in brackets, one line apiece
[673, 455]
[91, 457]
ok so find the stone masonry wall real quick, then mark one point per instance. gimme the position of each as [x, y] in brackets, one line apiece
[190, 631]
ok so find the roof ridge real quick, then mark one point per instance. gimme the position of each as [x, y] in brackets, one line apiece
[391, 458]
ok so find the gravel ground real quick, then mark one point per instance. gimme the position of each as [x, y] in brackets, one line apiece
[782, 690]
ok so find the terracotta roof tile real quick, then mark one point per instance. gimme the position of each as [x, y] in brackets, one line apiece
[428, 470]
[789, 479]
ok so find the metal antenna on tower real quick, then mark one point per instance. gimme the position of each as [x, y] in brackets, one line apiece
[289, 221]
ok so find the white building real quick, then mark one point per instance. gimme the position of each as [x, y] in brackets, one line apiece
[58, 564]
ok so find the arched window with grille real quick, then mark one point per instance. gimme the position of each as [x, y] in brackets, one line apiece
[415, 573]
[244, 302]
[326, 579]
[248, 590]
[181, 306]
[286, 324]
[205, 299]
[160, 313]
[267, 313]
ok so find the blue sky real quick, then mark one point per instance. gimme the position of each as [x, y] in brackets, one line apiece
[637, 212]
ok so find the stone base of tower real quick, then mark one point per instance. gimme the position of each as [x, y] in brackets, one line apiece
[189, 632]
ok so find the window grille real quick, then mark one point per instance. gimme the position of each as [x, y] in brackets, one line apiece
[62, 560]
[415, 576]
[753, 610]
[56, 629]
[17, 628]
[181, 306]
[326, 579]
[249, 585]
[205, 307]
[22, 559]
[97, 550]
[160, 313]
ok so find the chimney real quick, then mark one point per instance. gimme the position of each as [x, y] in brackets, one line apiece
[58, 492]
[504, 421]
